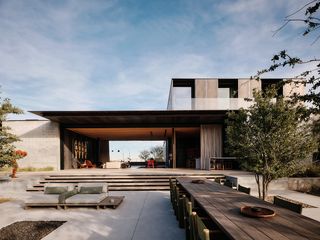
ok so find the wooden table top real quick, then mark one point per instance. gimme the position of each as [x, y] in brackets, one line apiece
[223, 204]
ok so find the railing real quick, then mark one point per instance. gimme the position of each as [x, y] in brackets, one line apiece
[208, 104]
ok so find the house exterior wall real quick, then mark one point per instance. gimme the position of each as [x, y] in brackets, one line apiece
[206, 95]
[246, 87]
[206, 88]
[293, 88]
[41, 140]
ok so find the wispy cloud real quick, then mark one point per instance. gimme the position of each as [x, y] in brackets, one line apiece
[82, 55]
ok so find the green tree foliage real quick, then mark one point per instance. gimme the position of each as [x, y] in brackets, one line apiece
[269, 138]
[310, 77]
[7, 149]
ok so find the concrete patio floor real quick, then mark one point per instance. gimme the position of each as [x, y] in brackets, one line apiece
[142, 215]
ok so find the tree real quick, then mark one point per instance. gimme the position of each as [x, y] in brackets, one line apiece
[269, 138]
[8, 155]
[157, 153]
[144, 155]
[310, 77]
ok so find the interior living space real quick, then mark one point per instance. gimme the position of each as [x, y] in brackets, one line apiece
[192, 127]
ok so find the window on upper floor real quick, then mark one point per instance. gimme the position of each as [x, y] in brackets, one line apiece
[228, 88]
[265, 83]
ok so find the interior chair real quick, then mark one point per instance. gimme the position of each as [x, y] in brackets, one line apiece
[150, 163]
[295, 207]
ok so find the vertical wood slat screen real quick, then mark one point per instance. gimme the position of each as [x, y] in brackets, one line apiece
[211, 144]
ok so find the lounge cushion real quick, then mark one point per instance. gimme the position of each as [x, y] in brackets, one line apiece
[103, 185]
[69, 187]
[55, 190]
[90, 190]
[65, 195]
[86, 198]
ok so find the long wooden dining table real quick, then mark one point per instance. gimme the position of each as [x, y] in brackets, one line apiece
[222, 204]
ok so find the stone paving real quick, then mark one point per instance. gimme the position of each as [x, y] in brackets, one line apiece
[142, 215]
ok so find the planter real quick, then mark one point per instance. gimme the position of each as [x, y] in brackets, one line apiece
[306, 184]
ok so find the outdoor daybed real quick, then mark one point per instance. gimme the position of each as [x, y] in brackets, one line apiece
[63, 196]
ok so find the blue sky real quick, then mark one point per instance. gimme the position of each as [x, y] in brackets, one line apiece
[119, 55]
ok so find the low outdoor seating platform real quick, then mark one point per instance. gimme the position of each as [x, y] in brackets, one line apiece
[69, 195]
[107, 202]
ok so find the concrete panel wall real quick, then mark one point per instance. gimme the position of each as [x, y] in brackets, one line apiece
[206, 88]
[212, 88]
[41, 140]
[246, 87]
[255, 84]
[200, 88]
[292, 88]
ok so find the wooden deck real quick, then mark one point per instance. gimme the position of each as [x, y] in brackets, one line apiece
[223, 204]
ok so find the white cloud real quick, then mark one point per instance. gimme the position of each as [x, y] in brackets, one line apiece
[93, 55]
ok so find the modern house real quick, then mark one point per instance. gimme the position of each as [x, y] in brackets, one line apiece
[192, 126]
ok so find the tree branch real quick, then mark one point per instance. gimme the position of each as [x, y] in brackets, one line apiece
[300, 8]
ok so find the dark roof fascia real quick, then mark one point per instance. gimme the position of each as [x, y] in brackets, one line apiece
[126, 113]
[147, 118]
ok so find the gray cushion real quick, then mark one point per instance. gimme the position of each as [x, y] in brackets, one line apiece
[104, 186]
[64, 196]
[55, 190]
[91, 190]
[69, 186]
[86, 198]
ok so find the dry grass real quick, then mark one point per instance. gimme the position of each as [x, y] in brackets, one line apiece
[32, 169]
[3, 200]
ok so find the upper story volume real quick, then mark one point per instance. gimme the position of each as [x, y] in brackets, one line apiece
[221, 93]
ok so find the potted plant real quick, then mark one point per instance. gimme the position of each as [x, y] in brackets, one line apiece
[20, 154]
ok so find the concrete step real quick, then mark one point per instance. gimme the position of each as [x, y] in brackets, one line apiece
[149, 188]
[104, 180]
[144, 182]
[85, 177]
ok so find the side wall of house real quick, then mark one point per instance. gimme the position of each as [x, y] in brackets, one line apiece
[41, 140]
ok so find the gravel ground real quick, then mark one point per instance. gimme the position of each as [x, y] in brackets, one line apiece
[29, 230]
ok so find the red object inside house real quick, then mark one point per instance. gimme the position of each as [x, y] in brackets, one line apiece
[150, 163]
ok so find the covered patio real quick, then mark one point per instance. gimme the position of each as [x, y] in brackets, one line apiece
[191, 137]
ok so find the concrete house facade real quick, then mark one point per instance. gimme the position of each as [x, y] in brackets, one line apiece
[192, 126]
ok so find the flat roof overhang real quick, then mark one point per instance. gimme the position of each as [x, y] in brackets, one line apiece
[139, 118]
